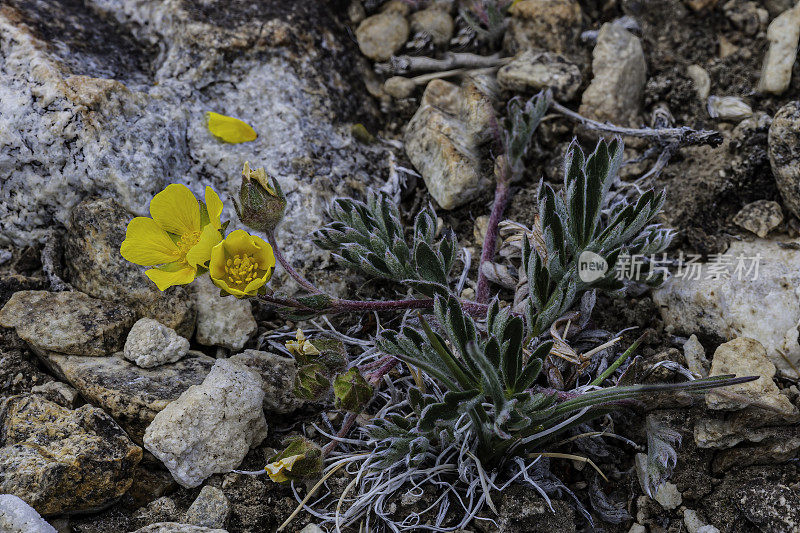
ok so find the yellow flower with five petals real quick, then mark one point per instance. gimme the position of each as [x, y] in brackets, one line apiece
[241, 264]
[177, 239]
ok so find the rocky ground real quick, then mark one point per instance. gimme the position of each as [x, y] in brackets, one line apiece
[125, 409]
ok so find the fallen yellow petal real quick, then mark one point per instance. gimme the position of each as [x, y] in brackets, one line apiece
[276, 470]
[229, 129]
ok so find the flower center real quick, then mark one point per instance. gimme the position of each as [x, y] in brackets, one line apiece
[241, 269]
[188, 240]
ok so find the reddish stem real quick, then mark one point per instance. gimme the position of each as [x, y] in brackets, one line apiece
[289, 268]
[501, 197]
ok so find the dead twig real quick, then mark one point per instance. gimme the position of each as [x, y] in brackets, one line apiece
[450, 60]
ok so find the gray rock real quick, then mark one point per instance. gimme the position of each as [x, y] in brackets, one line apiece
[277, 379]
[759, 217]
[523, 511]
[784, 154]
[766, 308]
[67, 322]
[730, 108]
[175, 527]
[777, 446]
[60, 460]
[746, 357]
[695, 356]
[162, 509]
[552, 25]
[95, 266]
[745, 427]
[222, 321]
[16, 516]
[132, 395]
[783, 34]
[619, 69]
[772, 507]
[211, 427]
[668, 496]
[381, 35]
[58, 392]
[312, 528]
[534, 70]
[435, 22]
[444, 140]
[210, 509]
[151, 343]
[116, 108]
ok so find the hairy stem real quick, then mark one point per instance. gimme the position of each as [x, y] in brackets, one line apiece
[501, 198]
[289, 268]
[475, 309]
[683, 136]
[450, 60]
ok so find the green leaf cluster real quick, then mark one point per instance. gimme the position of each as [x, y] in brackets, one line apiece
[369, 236]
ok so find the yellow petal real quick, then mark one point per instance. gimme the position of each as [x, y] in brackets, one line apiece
[201, 252]
[263, 253]
[254, 285]
[147, 244]
[276, 469]
[214, 206]
[165, 279]
[238, 242]
[229, 129]
[216, 265]
[225, 287]
[176, 209]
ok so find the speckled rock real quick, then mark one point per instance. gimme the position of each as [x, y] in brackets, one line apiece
[132, 395]
[552, 25]
[746, 357]
[16, 516]
[772, 507]
[620, 72]
[783, 35]
[212, 426]
[759, 217]
[67, 322]
[175, 527]
[58, 392]
[710, 302]
[61, 460]
[210, 509]
[107, 98]
[534, 70]
[151, 343]
[668, 496]
[784, 154]
[445, 138]
[222, 321]
[435, 22]
[95, 266]
[381, 35]
[277, 379]
[521, 510]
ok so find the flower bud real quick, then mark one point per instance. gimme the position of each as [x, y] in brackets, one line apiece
[310, 382]
[261, 201]
[351, 390]
[299, 460]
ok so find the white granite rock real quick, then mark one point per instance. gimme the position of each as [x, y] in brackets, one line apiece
[16, 516]
[784, 154]
[783, 35]
[222, 321]
[151, 343]
[381, 35]
[669, 496]
[210, 427]
[695, 356]
[620, 72]
[115, 107]
[731, 305]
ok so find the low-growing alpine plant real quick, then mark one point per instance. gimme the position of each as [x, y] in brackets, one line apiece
[475, 405]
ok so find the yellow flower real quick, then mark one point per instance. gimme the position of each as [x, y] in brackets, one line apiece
[178, 238]
[276, 470]
[241, 264]
[301, 346]
[229, 129]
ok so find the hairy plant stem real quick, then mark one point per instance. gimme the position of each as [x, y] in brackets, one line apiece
[501, 197]
[684, 136]
[288, 267]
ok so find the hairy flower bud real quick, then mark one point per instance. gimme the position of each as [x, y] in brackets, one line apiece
[261, 201]
[299, 460]
[310, 382]
[351, 390]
